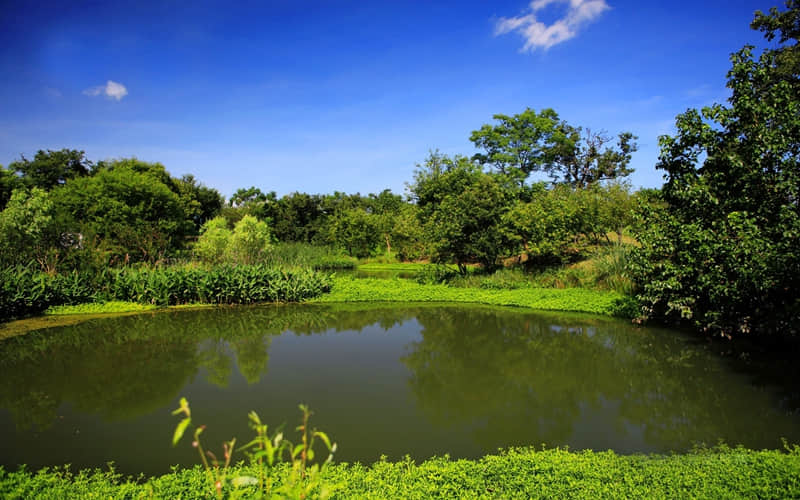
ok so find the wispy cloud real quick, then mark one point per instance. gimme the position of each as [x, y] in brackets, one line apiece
[539, 35]
[111, 89]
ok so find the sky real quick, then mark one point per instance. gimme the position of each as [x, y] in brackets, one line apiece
[323, 96]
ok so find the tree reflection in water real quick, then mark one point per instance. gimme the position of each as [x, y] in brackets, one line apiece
[491, 377]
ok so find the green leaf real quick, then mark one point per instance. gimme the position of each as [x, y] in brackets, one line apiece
[324, 438]
[180, 429]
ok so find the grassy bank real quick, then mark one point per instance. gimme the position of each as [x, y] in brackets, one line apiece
[519, 473]
[346, 289]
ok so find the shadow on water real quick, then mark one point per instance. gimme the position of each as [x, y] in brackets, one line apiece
[418, 379]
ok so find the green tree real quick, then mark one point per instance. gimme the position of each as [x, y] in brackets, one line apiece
[723, 251]
[297, 217]
[244, 196]
[200, 203]
[386, 207]
[785, 26]
[356, 231]
[215, 238]
[461, 207]
[28, 230]
[129, 214]
[544, 228]
[617, 210]
[8, 183]
[541, 142]
[408, 236]
[251, 240]
[49, 169]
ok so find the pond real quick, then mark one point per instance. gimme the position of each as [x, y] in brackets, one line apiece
[391, 380]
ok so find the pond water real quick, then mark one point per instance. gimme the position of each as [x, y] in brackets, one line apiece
[391, 380]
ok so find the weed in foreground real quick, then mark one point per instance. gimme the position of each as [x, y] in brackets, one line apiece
[265, 452]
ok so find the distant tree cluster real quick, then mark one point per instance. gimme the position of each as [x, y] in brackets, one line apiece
[64, 212]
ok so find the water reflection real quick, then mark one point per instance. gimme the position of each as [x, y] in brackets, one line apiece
[421, 380]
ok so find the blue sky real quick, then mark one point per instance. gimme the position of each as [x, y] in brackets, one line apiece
[323, 96]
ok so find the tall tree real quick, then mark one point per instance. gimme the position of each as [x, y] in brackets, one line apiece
[132, 214]
[8, 183]
[785, 26]
[200, 203]
[49, 169]
[28, 230]
[461, 207]
[541, 142]
[723, 252]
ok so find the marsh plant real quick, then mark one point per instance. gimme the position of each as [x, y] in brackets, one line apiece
[266, 453]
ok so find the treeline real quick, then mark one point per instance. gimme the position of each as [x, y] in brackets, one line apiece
[64, 212]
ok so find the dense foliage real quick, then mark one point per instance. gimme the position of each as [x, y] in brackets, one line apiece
[541, 142]
[24, 291]
[64, 213]
[516, 473]
[722, 253]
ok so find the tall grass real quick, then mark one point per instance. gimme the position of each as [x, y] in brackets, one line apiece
[304, 255]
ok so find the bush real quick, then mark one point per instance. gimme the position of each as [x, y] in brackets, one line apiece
[435, 274]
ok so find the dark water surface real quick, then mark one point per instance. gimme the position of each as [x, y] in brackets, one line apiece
[421, 380]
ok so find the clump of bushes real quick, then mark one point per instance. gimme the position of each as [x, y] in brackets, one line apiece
[248, 242]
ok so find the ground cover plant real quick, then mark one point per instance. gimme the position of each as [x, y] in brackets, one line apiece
[347, 289]
[110, 307]
[719, 472]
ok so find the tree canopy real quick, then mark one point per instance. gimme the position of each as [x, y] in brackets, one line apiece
[541, 142]
[49, 169]
[723, 252]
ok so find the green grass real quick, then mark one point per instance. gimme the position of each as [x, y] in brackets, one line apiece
[114, 306]
[410, 267]
[304, 255]
[519, 473]
[609, 303]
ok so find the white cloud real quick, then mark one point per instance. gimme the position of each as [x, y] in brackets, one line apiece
[111, 89]
[540, 35]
